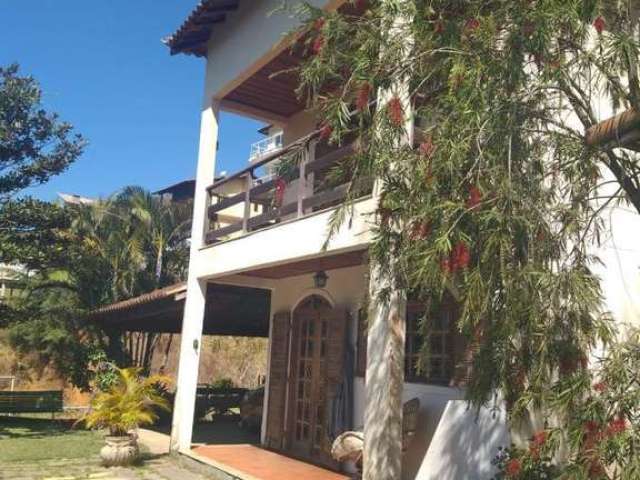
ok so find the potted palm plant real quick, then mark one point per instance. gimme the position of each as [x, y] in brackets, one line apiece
[128, 403]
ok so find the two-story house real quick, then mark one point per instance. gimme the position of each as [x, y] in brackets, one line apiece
[264, 229]
[271, 236]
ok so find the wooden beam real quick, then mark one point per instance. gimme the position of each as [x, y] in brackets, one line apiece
[275, 50]
[330, 158]
[274, 214]
[213, 236]
[328, 196]
[253, 112]
[225, 203]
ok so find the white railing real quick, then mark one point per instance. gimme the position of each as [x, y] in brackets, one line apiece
[264, 146]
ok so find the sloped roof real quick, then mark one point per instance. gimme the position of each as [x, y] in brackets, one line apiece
[192, 36]
[230, 310]
[146, 298]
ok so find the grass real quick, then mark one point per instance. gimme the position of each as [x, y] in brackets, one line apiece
[36, 439]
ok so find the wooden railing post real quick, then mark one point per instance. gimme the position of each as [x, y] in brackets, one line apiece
[207, 220]
[247, 202]
[308, 157]
[302, 182]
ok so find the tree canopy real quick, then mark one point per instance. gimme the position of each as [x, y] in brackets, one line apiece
[35, 145]
[496, 200]
[117, 248]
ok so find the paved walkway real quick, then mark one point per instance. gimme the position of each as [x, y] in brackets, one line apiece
[159, 468]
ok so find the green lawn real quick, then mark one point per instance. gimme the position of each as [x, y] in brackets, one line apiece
[35, 439]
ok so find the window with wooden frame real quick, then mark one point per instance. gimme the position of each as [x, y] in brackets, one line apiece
[439, 365]
[445, 345]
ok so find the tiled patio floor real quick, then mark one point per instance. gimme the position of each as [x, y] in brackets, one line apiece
[257, 463]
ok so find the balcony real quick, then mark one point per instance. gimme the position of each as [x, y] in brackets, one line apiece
[281, 184]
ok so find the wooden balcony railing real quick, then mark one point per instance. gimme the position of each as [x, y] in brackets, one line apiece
[246, 201]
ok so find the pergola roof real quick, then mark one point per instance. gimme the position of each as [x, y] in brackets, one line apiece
[192, 36]
[230, 310]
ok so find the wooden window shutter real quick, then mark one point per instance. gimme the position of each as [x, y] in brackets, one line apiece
[361, 354]
[278, 366]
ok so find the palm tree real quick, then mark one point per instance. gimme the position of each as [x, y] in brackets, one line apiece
[164, 226]
[122, 246]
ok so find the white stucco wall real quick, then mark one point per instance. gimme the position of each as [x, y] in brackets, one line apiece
[346, 289]
[433, 401]
[620, 269]
[285, 242]
[465, 442]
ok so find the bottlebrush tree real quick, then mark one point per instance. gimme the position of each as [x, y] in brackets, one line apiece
[497, 200]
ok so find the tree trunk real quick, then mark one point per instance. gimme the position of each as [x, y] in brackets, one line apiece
[384, 384]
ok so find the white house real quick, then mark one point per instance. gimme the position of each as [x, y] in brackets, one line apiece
[262, 233]
[273, 239]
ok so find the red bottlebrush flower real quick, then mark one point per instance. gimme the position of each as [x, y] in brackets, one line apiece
[537, 442]
[280, 188]
[319, 23]
[599, 24]
[438, 27]
[362, 101]
[616, 426]
[539, 438]
[591, 426]
[475, 197]
[445, 266]
[460, 256]
[420, 230]
[325, 131]
[592, 434]
[318, 44]
[361, 4]
[600, 387]
[472, 24]
[427, 148]
[395, 111]
[596, 470]
[513, 468]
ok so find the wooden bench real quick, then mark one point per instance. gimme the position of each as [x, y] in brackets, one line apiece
[49, 401]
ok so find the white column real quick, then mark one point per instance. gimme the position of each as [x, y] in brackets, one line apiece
[384, 379]
[194, 309]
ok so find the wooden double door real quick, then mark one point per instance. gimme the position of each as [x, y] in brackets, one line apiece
[315, 359]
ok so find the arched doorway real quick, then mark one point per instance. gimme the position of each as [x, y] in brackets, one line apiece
[316, 368]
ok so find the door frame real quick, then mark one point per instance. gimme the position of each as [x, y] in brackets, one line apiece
[290, 409]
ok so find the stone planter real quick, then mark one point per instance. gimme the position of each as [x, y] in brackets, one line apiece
[120, 450]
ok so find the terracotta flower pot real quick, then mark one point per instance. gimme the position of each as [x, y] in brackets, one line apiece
[120, 450]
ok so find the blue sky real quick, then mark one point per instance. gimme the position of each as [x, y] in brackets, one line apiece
[103, 68]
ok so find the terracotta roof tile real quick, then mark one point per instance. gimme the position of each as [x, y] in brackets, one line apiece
[192, 36]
